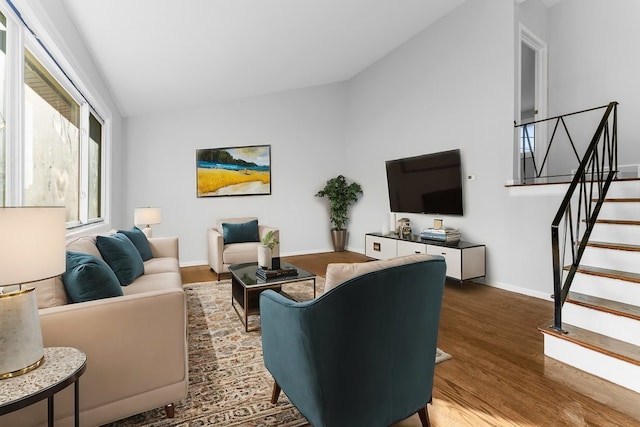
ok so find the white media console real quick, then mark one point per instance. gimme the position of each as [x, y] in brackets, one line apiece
[464, 260]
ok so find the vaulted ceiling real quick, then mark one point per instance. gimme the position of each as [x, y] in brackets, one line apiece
[161, 54]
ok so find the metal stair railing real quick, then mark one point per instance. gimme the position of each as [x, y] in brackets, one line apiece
[584, 197]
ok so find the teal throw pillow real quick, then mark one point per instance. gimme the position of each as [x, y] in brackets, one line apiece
[122, 256]
[140, 241]
[88, 278]
[240, 233]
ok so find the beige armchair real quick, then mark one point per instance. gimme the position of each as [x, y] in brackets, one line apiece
[222, 255]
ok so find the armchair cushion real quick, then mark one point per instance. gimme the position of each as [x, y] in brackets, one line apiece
[338, 273]
[240, 232]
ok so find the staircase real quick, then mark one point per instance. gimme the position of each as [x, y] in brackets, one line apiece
[601, 315]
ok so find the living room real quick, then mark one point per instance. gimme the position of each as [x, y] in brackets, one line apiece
[458, 72]
[450, 86]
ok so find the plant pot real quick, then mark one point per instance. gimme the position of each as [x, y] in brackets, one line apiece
[338, 238]
[264, 257]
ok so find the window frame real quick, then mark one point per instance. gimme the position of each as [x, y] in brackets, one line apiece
[24, 31]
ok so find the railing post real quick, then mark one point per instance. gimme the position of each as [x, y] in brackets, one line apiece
[557, 279]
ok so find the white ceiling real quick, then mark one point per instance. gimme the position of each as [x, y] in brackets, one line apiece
[160, 54]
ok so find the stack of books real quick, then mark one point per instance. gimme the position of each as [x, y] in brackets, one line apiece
[265, 274]
[448, 235]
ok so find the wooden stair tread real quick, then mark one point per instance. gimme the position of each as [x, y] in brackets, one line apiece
[605, 305]
[618, 221]
[606, 272]
[614, 246]
[620, 200]
[603, 344]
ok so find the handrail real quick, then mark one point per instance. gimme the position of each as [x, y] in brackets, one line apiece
[538, 170]
[594, 163]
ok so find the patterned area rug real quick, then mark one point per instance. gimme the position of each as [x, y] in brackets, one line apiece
[228, 383]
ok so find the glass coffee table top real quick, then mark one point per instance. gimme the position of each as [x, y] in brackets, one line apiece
[246, 273]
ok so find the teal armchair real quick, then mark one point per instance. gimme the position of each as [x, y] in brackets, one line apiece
[363, 353]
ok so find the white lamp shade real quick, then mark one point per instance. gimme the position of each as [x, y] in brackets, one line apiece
[32, 246]
[147, 216]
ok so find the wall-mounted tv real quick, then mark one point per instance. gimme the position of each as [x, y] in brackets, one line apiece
[428, 184]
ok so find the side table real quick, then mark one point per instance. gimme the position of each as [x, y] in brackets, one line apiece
[62, 367]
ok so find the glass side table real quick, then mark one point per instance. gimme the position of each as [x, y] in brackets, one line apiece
[62, 367]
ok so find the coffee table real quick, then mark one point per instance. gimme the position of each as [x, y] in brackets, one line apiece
[246, 287]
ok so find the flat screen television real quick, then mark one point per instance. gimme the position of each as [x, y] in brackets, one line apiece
[427, 184]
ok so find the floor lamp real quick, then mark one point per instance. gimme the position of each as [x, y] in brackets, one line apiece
[32, 248]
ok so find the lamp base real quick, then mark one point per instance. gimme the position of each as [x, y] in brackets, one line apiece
[21, 350]
[23, 370]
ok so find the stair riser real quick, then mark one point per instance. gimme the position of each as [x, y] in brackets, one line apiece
[618, 327]
[616, 233]
[620, 189]
[617, 371]
[604, 287]
[611, 259]
[624, 211]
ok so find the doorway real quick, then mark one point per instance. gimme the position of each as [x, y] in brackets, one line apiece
[531, 140]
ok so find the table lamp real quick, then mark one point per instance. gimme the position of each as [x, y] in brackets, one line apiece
[32, 248]
[146, 217]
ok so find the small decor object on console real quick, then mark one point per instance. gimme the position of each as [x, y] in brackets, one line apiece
[448, 235]
[404, 228]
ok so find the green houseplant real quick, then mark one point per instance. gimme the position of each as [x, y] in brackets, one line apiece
[265, 250]
[341, 196]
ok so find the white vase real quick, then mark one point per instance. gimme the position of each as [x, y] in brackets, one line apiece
[264, 257]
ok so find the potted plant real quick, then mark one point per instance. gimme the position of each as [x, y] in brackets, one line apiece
[265, 250]
[341, 196]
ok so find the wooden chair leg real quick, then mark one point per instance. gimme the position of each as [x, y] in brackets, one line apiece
[275, 393]
[424, 416]
[170, 410]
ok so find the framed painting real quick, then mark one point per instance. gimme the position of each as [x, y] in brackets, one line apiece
[233, 171]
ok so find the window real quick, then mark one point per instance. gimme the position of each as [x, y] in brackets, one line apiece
[51, 162]
[527, 139]
[56, 144]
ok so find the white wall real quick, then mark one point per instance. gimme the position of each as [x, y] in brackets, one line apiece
[453, 87]
[306, 131]
[593, 60]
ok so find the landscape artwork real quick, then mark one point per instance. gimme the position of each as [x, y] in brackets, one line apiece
[234, 171]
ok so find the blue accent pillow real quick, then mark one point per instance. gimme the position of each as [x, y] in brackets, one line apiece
[139, 240]
[240, 233]
[88, 278]
[122, 256]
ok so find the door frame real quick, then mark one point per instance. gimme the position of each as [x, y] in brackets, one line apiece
[540, 48]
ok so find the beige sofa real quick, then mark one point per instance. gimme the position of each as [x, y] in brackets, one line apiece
[136, 344]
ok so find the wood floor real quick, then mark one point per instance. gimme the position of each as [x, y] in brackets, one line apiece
[499, 375]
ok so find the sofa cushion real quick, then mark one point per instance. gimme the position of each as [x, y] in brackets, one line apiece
[122, 256]
[161, 265]
[89, 278]
[84, 244]
[154, 282]
[139, 240]
[50, 292]
[338, 273]
[240, 232]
